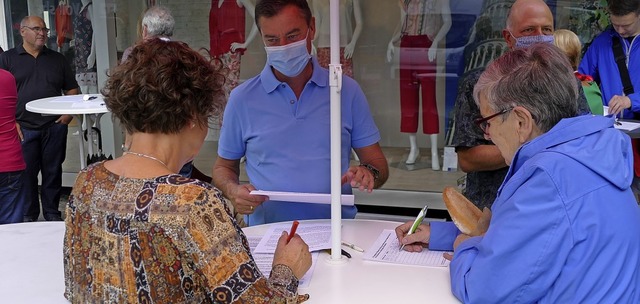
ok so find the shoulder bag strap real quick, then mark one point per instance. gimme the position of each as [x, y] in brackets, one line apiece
[621, 61]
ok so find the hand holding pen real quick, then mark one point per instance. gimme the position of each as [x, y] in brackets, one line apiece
[293, 252]
[414, 235]
[617, 104]
[292, 232]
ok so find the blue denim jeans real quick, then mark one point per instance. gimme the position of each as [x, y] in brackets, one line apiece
[44, 151]
[11, 202]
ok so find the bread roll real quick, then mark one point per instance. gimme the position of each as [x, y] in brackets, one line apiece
[464, 213]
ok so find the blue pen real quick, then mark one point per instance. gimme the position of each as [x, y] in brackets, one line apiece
[417, 222]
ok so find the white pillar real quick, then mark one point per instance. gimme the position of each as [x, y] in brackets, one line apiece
[4, 40]
[35, 8]
[106, 57]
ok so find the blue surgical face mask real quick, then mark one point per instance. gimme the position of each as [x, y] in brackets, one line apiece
[527, 41]
[289, 59]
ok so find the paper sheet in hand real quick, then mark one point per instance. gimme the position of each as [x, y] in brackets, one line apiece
[299, 197]
[387, 249]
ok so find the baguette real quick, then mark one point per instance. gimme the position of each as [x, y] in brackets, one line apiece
[464, 213]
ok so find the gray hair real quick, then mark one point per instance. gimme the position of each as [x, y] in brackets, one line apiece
[159, 21]
[538, 78]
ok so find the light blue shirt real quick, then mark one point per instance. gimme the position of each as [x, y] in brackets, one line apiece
[286, 140]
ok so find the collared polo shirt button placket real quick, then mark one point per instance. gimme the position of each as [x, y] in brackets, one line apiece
[292, 101]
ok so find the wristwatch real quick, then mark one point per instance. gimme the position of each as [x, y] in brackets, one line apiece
[374, 170]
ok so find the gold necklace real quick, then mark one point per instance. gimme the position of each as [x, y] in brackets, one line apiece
[146, 156]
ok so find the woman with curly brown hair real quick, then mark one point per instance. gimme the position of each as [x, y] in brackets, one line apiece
[138, 232]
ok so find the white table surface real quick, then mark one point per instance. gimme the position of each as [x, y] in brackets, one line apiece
[73, 105]
[68, 104]
[31, 269]
[360, 281]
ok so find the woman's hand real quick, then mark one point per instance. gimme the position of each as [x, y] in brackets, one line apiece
[481, 229]
[294, 254]
[483, 223]
[417, 240]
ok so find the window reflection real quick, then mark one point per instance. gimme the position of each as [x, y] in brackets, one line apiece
[474, 40]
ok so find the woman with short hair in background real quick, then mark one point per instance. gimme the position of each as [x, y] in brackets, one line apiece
[570, 44]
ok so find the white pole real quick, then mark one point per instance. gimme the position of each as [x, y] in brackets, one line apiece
[335, 82]
[104, 30]
[4, 39]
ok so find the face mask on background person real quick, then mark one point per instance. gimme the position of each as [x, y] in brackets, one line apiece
[527, 41]
[289, 59]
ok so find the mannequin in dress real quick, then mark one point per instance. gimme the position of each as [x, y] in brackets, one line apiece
[85, 49]
[227, 35]
[349, 33]
[423, 25]
[63, 23]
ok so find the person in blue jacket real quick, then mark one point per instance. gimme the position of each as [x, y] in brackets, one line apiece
[599, 60]
[565, 227]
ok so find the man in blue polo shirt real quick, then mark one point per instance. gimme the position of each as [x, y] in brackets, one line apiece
[280, 121]
[40, 73]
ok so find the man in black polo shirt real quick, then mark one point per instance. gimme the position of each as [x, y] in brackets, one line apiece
[40, 72]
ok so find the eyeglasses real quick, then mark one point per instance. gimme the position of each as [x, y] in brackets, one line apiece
[483, 122]
[38, 29]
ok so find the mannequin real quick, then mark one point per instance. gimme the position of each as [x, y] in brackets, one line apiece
[85, 58]
[423, 25]
[227, 35]
[64, 29]
[349, 34]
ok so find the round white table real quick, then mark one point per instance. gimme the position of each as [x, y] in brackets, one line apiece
[74, 105]
[362, 281]
[32, 269]
[31, 263]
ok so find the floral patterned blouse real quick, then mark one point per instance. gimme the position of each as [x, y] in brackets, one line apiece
[167, 239]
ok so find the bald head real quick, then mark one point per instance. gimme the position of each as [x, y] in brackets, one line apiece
[34, 33]
[31, 20]
[528, 18]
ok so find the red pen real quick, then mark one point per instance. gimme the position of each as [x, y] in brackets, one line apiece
[294, 226]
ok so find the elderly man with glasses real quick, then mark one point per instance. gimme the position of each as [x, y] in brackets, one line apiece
[40, 72]
[564, 227]
[528, 22]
